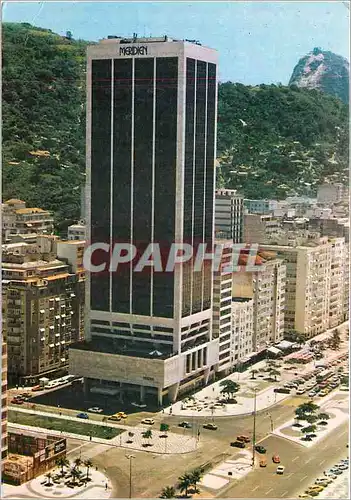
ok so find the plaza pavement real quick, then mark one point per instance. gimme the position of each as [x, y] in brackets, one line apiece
[235, 468]
[173, 443]
[96, 488]
[338, 409]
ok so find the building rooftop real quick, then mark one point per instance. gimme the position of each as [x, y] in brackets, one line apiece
[141, 350]
[13, 201]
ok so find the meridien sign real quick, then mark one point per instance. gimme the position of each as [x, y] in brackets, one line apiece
[133, 51]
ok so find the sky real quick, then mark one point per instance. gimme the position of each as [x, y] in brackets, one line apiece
[258, 42]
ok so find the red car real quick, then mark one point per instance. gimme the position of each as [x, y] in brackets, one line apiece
[17, 401]
[276, 459]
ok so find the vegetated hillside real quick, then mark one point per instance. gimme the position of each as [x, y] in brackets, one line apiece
[323, 70]
[272, 140]
[275, 141]
[43, 118]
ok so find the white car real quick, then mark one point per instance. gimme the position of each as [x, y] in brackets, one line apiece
[330, 474]
[95, 409]
[148, 421]
[280, 469]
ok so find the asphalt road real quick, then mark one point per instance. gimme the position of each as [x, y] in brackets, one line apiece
[302, 467]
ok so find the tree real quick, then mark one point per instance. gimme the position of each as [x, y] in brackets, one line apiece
[88, 463]
[335, 341]
[323, 416]
[147, 435]
[253, 373]
[306, 408]
[229, 387]
[77, 463]
[196, 476]
[168, 492]
[309, 429]
[311, 418]
[274, 373]
[69, 35]
[75, 473]
[185, 481]
[48, 477]
[62, 462]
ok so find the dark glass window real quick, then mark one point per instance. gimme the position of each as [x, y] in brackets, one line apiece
[122, 147]
[100, 174]
[142, 184]
[165, 175]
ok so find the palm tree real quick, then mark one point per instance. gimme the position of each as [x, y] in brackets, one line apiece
[88, 463]
[147, 435]
[75, 473]
[196, 476]
[229, 387]
[311, 418]
[77, 462]
[48, 477]
[309, 429]
[307, 408]
[62, 462]
[253, 373]
[335, 340]
[273, 372]
[185, 481]
[168, 492]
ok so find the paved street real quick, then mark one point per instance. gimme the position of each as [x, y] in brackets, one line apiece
[302, 467]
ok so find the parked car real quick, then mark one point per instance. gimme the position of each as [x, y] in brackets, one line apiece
[114, 418]
[82, 415]
[210, 426]
[17, 401]
[280, 469]
[122, 414]
[263, 463]
[300, 391]
[95, 409]
[342, 466]
[323, 481]
[238, 444]
[243, 438]
[148, 421]
[185, 425]
[276, 459]
[260, 449]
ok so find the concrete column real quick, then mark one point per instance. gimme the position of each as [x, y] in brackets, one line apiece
[160, 396]
[201, 358]
[193, 361]
[142, 393]
[173, 392]
[86, 387]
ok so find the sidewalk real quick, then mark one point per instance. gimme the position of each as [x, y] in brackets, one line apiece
[173, 444]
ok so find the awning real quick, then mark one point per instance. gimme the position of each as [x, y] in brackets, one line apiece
[284, 344]
[274, 350]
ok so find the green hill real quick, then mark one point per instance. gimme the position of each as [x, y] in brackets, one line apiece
[290, 136]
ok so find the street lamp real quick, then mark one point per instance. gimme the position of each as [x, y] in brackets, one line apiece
[130, 458]
[254, 430]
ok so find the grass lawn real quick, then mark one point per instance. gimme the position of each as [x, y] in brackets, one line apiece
[59, 424]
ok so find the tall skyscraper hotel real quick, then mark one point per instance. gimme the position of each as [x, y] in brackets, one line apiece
[151, 132]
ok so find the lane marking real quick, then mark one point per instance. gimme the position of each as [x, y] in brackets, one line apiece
[270, 489]
[324, 447]
[307, 461]
[294, 459]
[285, 492]
[255, 488]
[322, 462]
[289, 475]
[304, 477]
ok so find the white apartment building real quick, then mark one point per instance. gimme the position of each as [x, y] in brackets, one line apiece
[77, 232]
[266, 287]
[18, 219]
[242, 327]
[314, 284]
[229, 215]
[222, 309]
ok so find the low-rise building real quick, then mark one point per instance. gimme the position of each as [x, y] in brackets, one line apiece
[329, 194]
[18, 219]
[260, 228]
[263, 207]
[77, 232]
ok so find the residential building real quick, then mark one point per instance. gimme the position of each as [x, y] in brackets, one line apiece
[329, 194]
[263, 207]
[4, 444]
[346, 297]
[242, 328]
[260, 228]
[266, 288]
[43, 309]
[18, 219]
[229, 215]
[151, 131]
[222, 307]
[77, 232]
[314, 284]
